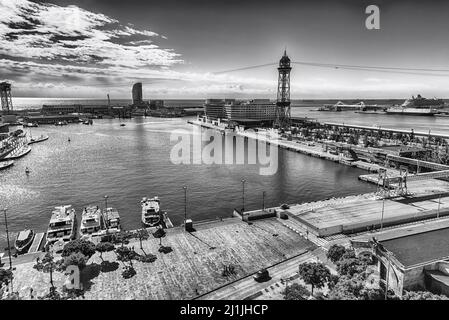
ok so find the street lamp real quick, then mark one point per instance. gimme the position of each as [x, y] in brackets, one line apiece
[439, 203]
[263, 201]
[106, 210]
[383, 209]
[185, 204]
[243, 195]
[7, 239]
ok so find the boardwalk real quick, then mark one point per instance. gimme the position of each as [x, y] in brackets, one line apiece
[193, 268]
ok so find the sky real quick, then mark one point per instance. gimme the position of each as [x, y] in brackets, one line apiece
[87, 48]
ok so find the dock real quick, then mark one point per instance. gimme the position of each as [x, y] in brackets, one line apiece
[36, 242]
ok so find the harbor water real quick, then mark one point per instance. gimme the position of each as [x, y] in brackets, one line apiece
[130, 162]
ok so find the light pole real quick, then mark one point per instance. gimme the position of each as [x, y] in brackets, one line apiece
[388, 275]
[382, 218]
[243, 196]
[185, 204]
[439, 203]
[7, 239]
[263, 201]
[106, 210]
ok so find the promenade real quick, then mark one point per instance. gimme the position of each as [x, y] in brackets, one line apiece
[193, 268]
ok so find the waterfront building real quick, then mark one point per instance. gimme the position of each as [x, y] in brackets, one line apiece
[137, 94]
[215, 108]
[416, 258]
[257, 110]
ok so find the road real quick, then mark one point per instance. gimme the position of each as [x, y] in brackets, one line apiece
[247, 286]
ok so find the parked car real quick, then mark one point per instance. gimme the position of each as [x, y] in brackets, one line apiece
[262, 275]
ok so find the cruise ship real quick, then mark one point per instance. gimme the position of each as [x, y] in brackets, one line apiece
[418, 106]
[62, 225]
[91, 221]
[151, 215]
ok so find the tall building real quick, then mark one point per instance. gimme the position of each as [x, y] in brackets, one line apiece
[137, 94]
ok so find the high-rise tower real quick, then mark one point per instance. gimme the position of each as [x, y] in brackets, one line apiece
[5, 94]
[283, 95]
[137, 94]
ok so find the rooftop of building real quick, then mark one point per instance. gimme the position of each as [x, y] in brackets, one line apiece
[420, 248]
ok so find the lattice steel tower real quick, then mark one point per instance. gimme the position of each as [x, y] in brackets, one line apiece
[5, 94]
[283, 97]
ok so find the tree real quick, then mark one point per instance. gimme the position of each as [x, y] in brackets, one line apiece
[76, 259]
[335, 252]
[48, 263]
[104, 247]
[125, 254]
[142, 234]
[295, 292]
[85, 247]
[6, 276]
[349, 266]
[422, 295]
[347, 288]
[159, 233]
[314, 273]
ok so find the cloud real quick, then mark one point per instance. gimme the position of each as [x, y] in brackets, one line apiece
[47, 47]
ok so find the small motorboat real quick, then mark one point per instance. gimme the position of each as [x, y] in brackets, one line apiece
[6, 164]
[27, 170]
[122, 124]
[24, 240]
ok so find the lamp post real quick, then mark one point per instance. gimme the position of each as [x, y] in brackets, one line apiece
[7, 239]
[382, 218]
[439, 203]
[263, 201]
[106, 210]
[243, 196]
[185, 204]
[388, 274]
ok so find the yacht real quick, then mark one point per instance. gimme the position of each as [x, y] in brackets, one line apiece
[24, 240]
[151, 216]
[62, 225]
[111, 220]
[91, 221]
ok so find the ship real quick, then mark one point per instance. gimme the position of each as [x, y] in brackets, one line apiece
[91, 222]
[111, 220]
[24, 240]
[62, 226]
[418, 106]
[151, 216]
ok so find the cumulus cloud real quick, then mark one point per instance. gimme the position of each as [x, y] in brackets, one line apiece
[70, 49]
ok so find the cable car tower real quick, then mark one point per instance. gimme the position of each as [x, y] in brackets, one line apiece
[283, 95]
[5, 94]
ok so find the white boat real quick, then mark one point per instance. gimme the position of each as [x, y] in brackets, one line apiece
[24, 240]
[6, 164]
[91, 221]
[62, 226]
[151, 215]
[418, 106]
[38, 139]
[112, 220]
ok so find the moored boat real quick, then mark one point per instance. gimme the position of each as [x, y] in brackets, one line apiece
[6, 164]
[38, 139]
[112, 220]
[62, 226]
[24, 240]
[151, 215]
[91, 221]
